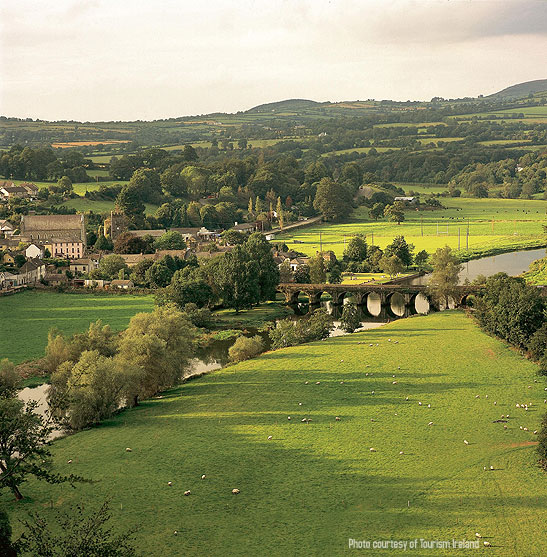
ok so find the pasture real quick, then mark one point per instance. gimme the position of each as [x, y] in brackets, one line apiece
[315, 484]
[31, 314]
[495, 225]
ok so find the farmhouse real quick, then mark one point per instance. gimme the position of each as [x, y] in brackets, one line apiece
[405, 199]
[8, 190]
[81, 266]
[245, 227]
[32, 271]
[123, 284]
[7, 280]
[61, 228]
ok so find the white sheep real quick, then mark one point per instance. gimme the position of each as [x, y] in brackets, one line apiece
[69, 461]
[318, 383]
[487, 544]
[477, 535]
[128, 450]
[419, 403]
[169, 484]
[203, 476]
[430, 423]
[372, 450]
[466, 442]
[337, 418]
[187, 492]
[270, 437]
[235, 491]
[289, 418]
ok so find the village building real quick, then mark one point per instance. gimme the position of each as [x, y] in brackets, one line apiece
[34, 250]
[66, 249]
[32, 272]
[62, 229]
[122, 284]
[7, 280]
[6, 228]
[82, 266]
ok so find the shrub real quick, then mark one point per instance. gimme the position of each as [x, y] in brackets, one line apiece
[245, 348]
[350, 318]
[538, 343]
[290, 333]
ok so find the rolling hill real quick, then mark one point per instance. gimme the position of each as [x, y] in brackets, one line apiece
[521, 89]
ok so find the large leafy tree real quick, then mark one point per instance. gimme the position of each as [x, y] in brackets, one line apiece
[332, 200]
[445, 276]
[260, 251]
[356, 250]
[402, 249]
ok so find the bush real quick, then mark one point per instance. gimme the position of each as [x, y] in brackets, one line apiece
[245, 348]
[200, 317]
[350, 318]
[538, 343]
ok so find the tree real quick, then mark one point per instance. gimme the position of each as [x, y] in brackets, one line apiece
[401, 249]
[285, 272]
[74, 533]
[24, 445]
[103, 243]
[445, 276]
[421, 258]
[238, 279]
[356, 250]
[157, 348]
[110, 266]
[64, 185]
[9, 379]
[279, 211]
[170, 240]
[377, 211]
[260, 252]
[187, 286]
[287, 332]
[158, 275]
[302, 274]
[391, 265]
[335, 274]
[332, 200]
[245, 348]
[147, 183]
[129, 202]
[318, 274]
[87, 392]
[395, 212]
[233, 237]
[350, 318]
[129, 243]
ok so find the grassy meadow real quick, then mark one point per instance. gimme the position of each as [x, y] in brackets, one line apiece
[316, 484]
[31, 314]
[494, 225]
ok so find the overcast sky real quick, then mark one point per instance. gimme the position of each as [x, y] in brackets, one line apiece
[137, 59]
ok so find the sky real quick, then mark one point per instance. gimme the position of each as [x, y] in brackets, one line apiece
[93, 60]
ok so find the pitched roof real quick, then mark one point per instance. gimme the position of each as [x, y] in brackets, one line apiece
[143, 233]
[29, 223]
[6, 225]
[121, 282]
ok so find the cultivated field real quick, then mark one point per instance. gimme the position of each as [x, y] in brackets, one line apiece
[316, 484]
[31, 315]
[494, 225]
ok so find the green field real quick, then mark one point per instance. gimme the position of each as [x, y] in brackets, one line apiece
[31, 314]
[494, 225]
[313, 486]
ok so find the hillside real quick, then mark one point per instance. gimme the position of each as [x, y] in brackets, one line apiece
[521, 90]
[282, 106]
[315, 484]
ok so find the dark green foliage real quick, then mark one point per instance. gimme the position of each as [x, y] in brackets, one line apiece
[75, 534]
[318, 274]
[332, 200]
[245, 348]
[538, 343]
[302, 274]
[6, 547]
[187, 286]
[510, 309]
[260, 252]
[350, 318]
[289, 332]
[356, 249]
[402, 249]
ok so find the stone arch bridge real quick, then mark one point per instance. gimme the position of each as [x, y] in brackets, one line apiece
[361, 292]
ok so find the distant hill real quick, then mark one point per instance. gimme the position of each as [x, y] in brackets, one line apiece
[521, 90]
[282, 106]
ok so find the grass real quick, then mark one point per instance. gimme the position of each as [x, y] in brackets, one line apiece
[495, 225]
[315, 485]
[358, 278]
[30, 315]
[83, 204]
[537, 273]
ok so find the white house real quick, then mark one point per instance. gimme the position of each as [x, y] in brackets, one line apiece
[34, 250]
[32, 271]
[7, 280]
[6, 228]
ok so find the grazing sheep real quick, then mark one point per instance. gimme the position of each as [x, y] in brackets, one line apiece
[175, 533]
[477, 535]
[69, 461]
[318, 382]
[304, 419]
[393, 375]
[372, 392]
[495, 403]
[187, 492]
[337, 418]
[270, 437]
[484, 467]
[299, 404]
[401, 452]
[486, 396]
[371, 419]
[203, 476]
[288, 418]
[504, 427]
[366, 374]
[525, 429]
[235, 491]
[169, 484]
[372, 450]
[419, 403]
[535, 431]
[487, 544]
[518, 405]
[394, 383]
[430, 423]
[466, 442]
[429, 405]
[341, 382]
[128, 450]
[520, 427]
[477, 396]
[306, 383]
[406, 398]
[341, 360]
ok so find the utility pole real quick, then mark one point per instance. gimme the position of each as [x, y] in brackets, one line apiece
[372, 238]
[422, 225]
[320, 243]
[458, 238]
[437, 229]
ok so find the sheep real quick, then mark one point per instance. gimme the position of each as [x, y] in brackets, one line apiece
[394, 383]
[169, 484]
[406, 398]
[203, 476]
[371, 419]
[289, 418]
[487, 544]
[175, 533]
[299, 404]
[304, 419]
[306, 382]
[517, 405]
[341, 361]
[520, 427]
[341, 382]
[466, 442]
[318, 382]
[270, 437]
[525, 429]
[372, 393]
[401, 452]
[69, 461]
[187, 492]
[486, 396]
[430, 423]
[128, 450]
[372, 450]
[495, 403]
[419, 403]
[235, 491]
[477, 535]
[504, 427]
[477, 396]
[393, 375]
[429, 405]
[337, 418]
